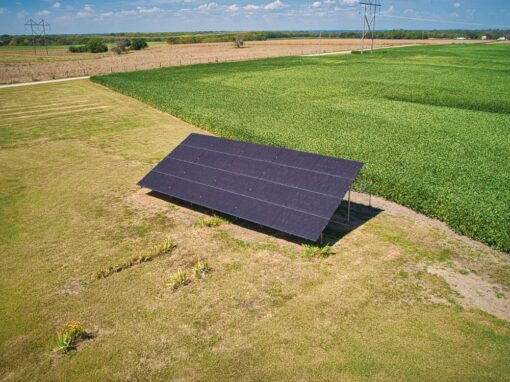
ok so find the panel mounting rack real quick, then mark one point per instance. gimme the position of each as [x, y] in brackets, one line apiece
[290, 191]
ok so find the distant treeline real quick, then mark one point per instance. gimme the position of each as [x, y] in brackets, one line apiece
[201, 37]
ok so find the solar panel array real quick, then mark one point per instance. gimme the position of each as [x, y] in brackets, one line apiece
[290, 191]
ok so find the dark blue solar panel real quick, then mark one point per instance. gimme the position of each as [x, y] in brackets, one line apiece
[287, 190]
[245, 149]
[262, 189]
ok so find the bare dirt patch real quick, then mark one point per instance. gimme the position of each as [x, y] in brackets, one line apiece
[175, 55]
[476, 292]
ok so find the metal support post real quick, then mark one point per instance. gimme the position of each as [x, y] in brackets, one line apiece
[349, 206]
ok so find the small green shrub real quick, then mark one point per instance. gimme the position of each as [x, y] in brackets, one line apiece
[201, 269]
[179, 279]
[210, 222]
[148, 255]
[138, 44]
[68, 338]
[78, 49]
[96, 46]
[463, 272]
[310, 251]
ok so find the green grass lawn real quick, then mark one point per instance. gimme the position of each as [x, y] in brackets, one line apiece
[70, 156]
[431, 123]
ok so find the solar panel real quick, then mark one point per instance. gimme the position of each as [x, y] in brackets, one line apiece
[287, 190]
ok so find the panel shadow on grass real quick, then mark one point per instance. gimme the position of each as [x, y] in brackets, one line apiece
[336, 229]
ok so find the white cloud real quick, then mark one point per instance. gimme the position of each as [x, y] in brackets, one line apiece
[329, 2]
[3, 11]
[317, 4]
[56, 5]
[87, 11]
[232, 8]
[207, 6]
[456, 5]
[350, 2]
[277, 4]
[44, 13]
[143, 10]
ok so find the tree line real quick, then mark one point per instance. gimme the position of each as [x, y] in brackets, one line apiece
[203, 37]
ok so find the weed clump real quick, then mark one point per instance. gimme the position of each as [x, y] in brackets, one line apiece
[210, 222]
[201, 269]
[179, 279]
[310, 251]
[68, 338]
[148, 255]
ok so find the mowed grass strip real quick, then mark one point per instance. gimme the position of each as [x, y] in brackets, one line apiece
[432, 124]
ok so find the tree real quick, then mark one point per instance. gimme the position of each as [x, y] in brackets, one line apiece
[78, 49]
[238, 42]
[97, 46]
[121, 46]
[5, 39]
[138, 44]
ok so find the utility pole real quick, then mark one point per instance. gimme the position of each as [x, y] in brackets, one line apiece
[38, 31]
[370, 8]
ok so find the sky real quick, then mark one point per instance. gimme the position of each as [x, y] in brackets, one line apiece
[92, 16]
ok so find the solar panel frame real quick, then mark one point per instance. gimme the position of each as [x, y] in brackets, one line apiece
[287, 190]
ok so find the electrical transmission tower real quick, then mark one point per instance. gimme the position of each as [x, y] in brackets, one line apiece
[38, 31]
[370, 8]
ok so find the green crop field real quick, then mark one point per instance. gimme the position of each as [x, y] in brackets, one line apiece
[432, 124]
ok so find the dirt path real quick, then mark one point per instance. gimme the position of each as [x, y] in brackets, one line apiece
[43, 82]
[399, 210]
